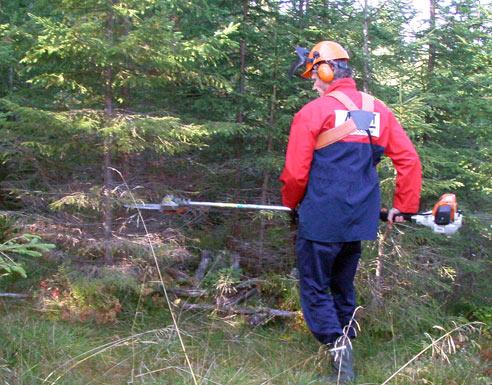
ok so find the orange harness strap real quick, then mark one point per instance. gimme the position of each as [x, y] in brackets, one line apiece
[367, 102]
[341, 131]
[344, 99]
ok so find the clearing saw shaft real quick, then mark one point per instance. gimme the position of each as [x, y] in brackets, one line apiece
[171, 203]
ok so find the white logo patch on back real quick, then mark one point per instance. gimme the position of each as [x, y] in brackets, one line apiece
[342, 115]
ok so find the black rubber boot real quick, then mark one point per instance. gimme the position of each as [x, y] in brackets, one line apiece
[342, 364]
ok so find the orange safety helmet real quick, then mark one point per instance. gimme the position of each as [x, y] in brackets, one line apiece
[320, 55]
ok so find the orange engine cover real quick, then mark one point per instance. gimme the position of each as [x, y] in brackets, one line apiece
[447, 203]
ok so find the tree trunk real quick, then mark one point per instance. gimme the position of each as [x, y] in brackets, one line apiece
[377, 297]
[365, 47]
[264, 195]
[266, 175]
[269, 148]
[108, 142]
[11, 79]
[108, 182]
[242, 59]
[431, 61]
[238, 145]
[125, 90]
[432, 47]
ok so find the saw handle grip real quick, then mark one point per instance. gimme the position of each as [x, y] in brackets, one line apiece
[383, 215]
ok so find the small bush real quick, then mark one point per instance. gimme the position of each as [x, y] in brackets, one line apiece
[222, 281]
[75, 296]
[282, 290]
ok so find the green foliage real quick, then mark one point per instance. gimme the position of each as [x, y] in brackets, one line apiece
[483, 314]
[139, 44]
[25, 245]
[282, 290]
[223, 280]
[7, 228]
[78, 202]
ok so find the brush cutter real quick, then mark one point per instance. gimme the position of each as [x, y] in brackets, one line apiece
[445, 218]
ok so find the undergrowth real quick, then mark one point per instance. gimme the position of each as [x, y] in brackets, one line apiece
[93, 324]
[142, 348]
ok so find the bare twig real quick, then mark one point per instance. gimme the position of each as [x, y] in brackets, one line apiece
[168, 301]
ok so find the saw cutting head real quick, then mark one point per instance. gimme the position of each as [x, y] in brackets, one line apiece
[170, 202]
[173, 204]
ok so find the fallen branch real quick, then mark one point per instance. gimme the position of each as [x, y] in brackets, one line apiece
[187, 292]
[249, 283]
[202, 267]
[178, 275]
[269, 312]
[192, 292]
[235, 261]
[242, 297]
[15, 295]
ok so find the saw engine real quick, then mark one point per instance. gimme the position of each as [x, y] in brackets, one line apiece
[444, 218]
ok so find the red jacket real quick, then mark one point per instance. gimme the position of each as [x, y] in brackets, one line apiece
[350, 159]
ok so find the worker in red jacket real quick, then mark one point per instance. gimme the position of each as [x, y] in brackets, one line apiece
[330, 179]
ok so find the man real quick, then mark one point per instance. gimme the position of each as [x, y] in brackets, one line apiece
[330, 178]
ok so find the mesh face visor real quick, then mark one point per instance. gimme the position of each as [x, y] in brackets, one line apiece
[302, 59]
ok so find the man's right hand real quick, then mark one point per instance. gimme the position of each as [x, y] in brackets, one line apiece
[394, 217]
[294, 216]
[294, 219]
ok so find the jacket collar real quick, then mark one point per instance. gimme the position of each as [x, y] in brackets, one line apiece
[340, 83]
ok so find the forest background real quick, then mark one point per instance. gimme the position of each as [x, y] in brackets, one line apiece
[106, 101]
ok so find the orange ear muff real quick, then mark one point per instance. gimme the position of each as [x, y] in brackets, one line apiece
[325, 72]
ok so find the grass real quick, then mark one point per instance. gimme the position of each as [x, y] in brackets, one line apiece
[142, 346]
[222, 351]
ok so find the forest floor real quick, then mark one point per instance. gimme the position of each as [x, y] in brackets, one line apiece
[89, 323]
[143, 348]
[139, 344]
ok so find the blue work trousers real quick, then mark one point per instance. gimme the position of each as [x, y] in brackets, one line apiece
[326, 281]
